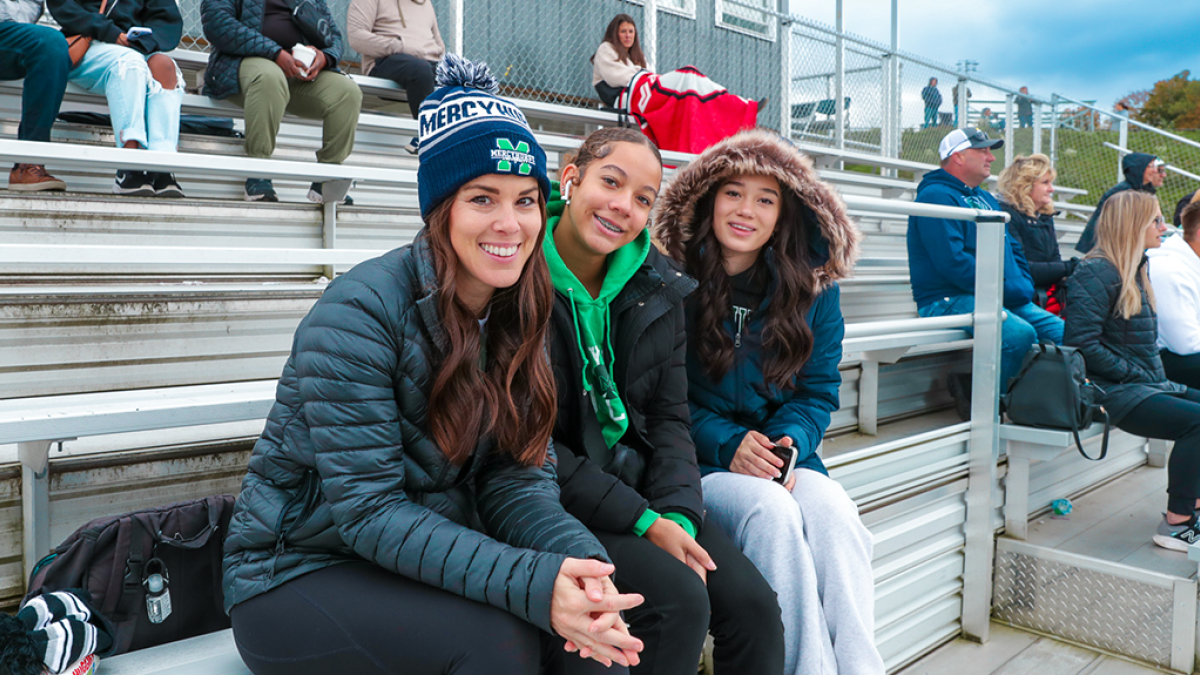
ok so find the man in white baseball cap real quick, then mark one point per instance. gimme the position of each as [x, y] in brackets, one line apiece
[941, 258]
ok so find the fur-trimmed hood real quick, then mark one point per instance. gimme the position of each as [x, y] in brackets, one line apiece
[759, 151]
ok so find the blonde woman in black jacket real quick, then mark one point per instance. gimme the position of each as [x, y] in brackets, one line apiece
[1111, 320]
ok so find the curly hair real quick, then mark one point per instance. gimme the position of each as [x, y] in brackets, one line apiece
[1017, 179]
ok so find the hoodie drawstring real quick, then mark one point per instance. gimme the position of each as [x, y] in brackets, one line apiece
[587, 388]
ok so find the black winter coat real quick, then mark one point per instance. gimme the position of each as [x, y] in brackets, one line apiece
[1040, 242]
[1133, 166]
[83, 17]
[345, 469]
[1121, 354]
[655, 457]
[234, 29]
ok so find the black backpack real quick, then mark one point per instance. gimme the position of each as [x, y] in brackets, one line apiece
[154, 574]
[1052, 391]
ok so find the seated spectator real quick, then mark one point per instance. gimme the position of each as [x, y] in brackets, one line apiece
[1175, 276]
[941, 258]
[143, 85]
[767, 241]
[1024, 108]
[399, 40]
[28, 48]
[1143, 172]
[1177, 219]
[933, 100]
[990, 120]
[1027, 191]
[618, 58]
[400, 512]
[256, 62]
[1111, 320]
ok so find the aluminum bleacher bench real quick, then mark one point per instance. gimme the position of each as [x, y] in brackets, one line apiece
[1025, 445]
[212, 654]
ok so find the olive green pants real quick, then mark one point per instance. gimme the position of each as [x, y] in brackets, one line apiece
[266, 94]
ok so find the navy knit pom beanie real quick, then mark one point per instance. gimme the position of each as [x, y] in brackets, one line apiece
[467, 131]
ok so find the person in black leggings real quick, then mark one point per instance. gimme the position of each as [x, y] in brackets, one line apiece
[400, 512]
[1110, 318]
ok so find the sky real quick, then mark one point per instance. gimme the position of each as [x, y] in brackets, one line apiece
[1084, 49]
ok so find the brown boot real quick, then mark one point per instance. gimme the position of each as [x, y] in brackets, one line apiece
[33, 178]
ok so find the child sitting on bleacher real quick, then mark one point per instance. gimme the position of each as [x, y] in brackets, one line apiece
[26, 48]
[767, 241]
[400, 513]
[257, 47]
[127, 63]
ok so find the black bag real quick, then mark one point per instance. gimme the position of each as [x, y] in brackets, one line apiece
[313, 23]
[1052, 391]
[206, 125]
[117, 559]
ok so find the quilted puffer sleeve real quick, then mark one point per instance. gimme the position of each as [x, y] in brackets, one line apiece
[346, 355]
[227, 34]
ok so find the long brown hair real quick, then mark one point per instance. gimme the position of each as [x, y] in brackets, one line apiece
[787, 338]
[632, 55]
[1120, 231]
[513, 396]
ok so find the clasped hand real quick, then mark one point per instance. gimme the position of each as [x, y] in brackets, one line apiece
[585, 611]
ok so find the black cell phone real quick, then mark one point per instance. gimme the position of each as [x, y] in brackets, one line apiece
[788, 454]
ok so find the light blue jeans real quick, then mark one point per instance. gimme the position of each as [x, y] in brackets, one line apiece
[141, 109]
[1024, 327]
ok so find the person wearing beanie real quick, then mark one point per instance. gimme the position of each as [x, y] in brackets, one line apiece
[767, 241]
[400, 512]
[627, 466]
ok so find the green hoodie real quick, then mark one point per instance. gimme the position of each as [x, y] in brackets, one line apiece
[593, 333]
[593, 319]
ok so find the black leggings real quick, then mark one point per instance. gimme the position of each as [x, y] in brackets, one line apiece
[1182, 369]
[738, 606]
[1174, 418]
[414, 74]
[360, 619]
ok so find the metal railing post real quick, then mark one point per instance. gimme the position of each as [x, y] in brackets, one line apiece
[1054, 130]
[650, 28]
[963, 107]
[984, 443]
[785, 78]
[839, 85]
[1009, 131]
[886, 95]
[1037, 128]
[1123, 142]
[456, 27]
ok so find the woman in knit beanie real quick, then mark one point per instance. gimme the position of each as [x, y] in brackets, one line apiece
[400, 513]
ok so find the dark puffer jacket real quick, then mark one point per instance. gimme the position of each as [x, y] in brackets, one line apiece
[1134, 167]
[234, 28]
[83, 17]
[1039, 241]
[345, 469]
[1121, 354]
[656, 454]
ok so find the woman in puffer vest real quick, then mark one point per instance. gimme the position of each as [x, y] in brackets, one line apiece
[401, 513]
[767, 241]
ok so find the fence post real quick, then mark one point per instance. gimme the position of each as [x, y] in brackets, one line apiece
[984, 443]
[962, 109]
[650, 28]
[839, 85]
[785, 77]
[1123, 141]
[1037, 128]
[1009, 133]
[1054, 130]
[458, 11]
[886, 95]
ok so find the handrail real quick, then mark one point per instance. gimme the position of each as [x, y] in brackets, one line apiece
[1134, 122]
[896, 207]
[125, 256]
[1168, 166]
[874, 328]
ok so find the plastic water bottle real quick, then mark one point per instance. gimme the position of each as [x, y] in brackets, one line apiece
[1061, 507]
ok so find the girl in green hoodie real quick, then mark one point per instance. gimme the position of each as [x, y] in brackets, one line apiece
[627, 464]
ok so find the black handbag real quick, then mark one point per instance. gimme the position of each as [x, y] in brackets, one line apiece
[1052, 391]
[313, 23]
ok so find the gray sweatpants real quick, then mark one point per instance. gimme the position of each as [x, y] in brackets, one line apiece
[815, 552]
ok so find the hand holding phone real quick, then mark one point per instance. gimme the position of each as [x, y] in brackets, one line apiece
[137, 32]
[788, 454]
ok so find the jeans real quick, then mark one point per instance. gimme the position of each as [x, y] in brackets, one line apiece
[1025, 120]
[413, 73]
[141, 109]
[1024, 327]
[27, 48]
[930, 118]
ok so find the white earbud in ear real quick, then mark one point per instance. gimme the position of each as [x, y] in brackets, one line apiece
[566, 192]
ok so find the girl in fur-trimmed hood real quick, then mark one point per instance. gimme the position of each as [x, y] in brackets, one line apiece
[767, 241]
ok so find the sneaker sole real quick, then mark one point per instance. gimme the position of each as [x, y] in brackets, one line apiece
[1170, 543]
[38, 187]
[315, 197]
[169, 193]
[139, 192]
[261, 198]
